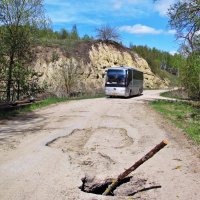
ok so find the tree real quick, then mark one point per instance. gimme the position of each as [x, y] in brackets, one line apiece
[74, 33]
[86, 37]
[18, 19]
[64, 34]
[160, 60]
[69, 72]
[185, 19]
[106, 33]
[190, 75]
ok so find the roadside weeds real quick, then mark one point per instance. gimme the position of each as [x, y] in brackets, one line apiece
[182, 114]
[41, 104]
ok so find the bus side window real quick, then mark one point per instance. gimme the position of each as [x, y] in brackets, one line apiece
[135, 75]
[129, 76]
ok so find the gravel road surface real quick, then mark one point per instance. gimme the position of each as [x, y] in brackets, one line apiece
[45, 154]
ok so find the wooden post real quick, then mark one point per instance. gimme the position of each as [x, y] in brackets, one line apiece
[135, 166]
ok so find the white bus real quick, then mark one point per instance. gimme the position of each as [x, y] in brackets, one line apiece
[123, 81]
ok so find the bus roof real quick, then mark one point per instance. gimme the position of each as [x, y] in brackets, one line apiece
[123, 68]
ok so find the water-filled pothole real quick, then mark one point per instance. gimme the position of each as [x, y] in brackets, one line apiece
[129, 186]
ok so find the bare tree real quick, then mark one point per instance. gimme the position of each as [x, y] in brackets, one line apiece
[69, 73]
[106, 33]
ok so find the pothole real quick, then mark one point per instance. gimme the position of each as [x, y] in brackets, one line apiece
[94, 150]
[129, 186]
[75, 141]
[92, 139]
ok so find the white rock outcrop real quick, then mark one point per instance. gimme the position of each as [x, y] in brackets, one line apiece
[91, 74]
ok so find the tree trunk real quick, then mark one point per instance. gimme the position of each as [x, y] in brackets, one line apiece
[9, 81]
[18, 89]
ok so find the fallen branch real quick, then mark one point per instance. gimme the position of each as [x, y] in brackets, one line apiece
[135, 166]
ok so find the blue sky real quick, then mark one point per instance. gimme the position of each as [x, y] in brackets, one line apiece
[139, 22]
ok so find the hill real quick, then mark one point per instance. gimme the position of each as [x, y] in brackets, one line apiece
[90, 60]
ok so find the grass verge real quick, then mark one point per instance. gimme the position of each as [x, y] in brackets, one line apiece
[183, 115]
[176, 94]
[41, 104]
[170, 95]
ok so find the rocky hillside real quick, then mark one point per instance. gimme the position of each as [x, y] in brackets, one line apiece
[91, 59]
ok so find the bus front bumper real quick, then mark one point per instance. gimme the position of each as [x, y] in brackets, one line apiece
[116, 91]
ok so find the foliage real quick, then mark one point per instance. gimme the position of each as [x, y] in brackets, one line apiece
[74, 33]
[69, 71]
[54, 56]
[64, 34]
[44, 103]
[185, 19]
[66, 78]
[183, 115]
[63, 38]
[24, 82]
[107, 33]
[176, 94]
[190, 75]
[160, 61]
[87, 37]
[18, 19]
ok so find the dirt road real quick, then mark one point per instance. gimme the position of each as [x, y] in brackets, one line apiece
[44, 154]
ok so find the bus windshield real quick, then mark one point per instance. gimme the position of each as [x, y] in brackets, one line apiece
[116, 77]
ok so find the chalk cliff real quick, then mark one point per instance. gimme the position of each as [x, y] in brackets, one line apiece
[91, 60]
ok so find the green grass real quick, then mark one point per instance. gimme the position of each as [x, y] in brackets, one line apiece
[183, 115]
[174, 80]
[67, 44]
[42, 104]
[169, 94]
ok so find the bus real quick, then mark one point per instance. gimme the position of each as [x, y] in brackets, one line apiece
[123, 81]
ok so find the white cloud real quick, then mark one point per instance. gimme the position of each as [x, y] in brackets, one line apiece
[162, 6]
[172, 52]
[56, 3]
[63, 17]
[171, 32]
[140, 29]
[117, 4]
[61, 11]
[197, 33]
[96, 12]
[143, 29]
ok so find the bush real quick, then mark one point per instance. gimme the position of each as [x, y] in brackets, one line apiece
[54, 56]
[190, 75]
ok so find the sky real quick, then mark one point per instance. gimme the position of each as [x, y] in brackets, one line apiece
[139, 22]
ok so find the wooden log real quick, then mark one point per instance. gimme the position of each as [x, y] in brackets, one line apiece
[135, 166]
